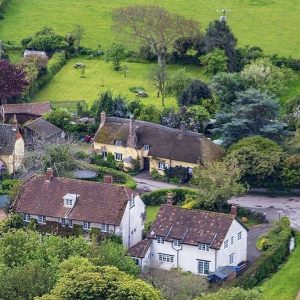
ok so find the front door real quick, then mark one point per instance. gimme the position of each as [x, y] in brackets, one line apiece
[146, 164]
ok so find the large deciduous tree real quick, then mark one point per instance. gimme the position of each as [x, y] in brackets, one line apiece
[12, 81]
[154, 26]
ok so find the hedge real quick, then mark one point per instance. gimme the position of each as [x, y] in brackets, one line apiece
[280, 235]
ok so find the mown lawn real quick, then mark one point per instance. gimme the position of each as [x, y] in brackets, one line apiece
[151, 213]
[270, 24]
[285, 284]
[100, 76]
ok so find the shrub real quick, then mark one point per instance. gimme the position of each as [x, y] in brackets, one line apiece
[109, 162]
[290, 175]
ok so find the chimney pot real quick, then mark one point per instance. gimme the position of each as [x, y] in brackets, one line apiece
[233, 210]
[170, 199]
[14, 123]
[108, 179]
[49, 174]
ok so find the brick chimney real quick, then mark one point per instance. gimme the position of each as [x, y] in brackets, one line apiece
[108, 179]
[170, 199]
[131, 136]
[102, 118]
[233, 210]
[49, 174]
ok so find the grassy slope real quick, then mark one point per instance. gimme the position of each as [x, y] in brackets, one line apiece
[285, 284]
[151, 212]
[99, 76]
[271, 24]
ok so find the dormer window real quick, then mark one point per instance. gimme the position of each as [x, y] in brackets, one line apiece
[160, 240]
[118, 143]
[176, 243]
[70, 199]
[146, 147]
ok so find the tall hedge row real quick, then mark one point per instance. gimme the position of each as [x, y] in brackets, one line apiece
[280, 234]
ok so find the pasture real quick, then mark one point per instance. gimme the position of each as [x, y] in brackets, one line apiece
[67, 84]
[270, 24]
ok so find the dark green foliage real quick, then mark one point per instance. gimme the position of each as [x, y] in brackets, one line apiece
[279, 238]
[226, 86]
[45, 40]
[292, 104]
[253, 113]
[214, 62]
[194, 93]
[247, 54]
[60, 117]
[290, 175]
[150, 113]
[109, 162]
[219, 35]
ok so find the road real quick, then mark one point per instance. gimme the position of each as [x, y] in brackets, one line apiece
[148, 185]
[273, 207]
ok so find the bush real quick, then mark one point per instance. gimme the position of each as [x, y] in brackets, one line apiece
[290, 175]
[109, 162]
[276, 252]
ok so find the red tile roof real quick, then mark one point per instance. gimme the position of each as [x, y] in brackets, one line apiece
[97, 202]
[140, 249]
[27, 108]
[191, 226]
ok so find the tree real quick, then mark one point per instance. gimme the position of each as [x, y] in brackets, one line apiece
[150, 113]
[175, 284]
[178, 82]
[194, 93]
[219, 35]
[258, 158]
[110, 253]
[153, 26]
[116, 54]
[290, 175]
[195, 117]
[252, 113]
[235, 293]
[158, 78]
[262, 75]
[12, 81]
[214, 62]
[226, 86]
[60, 117]
[215, 183]
[103, 283]
[77, 34]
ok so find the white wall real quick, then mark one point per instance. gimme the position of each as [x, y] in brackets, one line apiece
[239, 247]
[132, 224]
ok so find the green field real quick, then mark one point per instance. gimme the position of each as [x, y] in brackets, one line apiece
[99, 76]
[272, 24]
[285, 284]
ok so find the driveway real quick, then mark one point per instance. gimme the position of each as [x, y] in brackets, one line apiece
[273, 207]
[149, 185]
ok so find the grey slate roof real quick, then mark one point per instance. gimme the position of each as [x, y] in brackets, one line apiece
[43, 128]
[163, 141]
[7, 139]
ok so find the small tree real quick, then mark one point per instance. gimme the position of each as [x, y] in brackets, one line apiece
[116, 54]
[59, 117]
[194, 93]
[214, 62]
[77, 34]
[12, 81]
[158, 78]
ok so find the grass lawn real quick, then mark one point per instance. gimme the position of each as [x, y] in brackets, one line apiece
[272, 25]
[151, 213]
[285, 284]
[99, 76]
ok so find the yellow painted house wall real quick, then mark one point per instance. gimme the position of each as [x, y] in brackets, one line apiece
[139, 154]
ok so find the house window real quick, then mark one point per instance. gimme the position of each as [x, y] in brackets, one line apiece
[161, 165]
[240, 235]
[69, 202]
[70, 222]
[232, 240]
[104, 154]
[41, 219]
[203, 247]
[86, 225]
[165, 258]
[231, 258]
[176, 243]
[26, 217]
[118, 156]
[104, 227]
[160, 240]
[203, 267]
[226, 244]
[131, 202]
[63, 222]
[118, 143]
[146, 147]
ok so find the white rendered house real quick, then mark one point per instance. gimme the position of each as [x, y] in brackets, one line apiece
[193, 240]
[111, 208]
